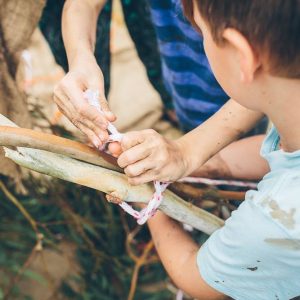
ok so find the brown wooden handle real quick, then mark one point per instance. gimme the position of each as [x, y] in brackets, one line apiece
[21, 137]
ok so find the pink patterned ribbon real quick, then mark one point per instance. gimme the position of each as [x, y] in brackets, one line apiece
[115, 136]
[150, 210]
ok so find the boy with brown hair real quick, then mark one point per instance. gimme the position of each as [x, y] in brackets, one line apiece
[254, 50]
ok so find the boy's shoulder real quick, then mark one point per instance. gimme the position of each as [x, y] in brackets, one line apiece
[278, 192]
[278, 198]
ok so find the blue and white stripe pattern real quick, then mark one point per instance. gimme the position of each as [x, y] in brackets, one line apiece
[187, 74]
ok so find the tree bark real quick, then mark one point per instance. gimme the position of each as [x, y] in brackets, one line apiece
[18, 19]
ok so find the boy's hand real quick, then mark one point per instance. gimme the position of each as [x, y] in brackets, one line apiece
[148, 156]
[69, 96]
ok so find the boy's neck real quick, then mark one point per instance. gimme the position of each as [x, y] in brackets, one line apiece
[281, 104]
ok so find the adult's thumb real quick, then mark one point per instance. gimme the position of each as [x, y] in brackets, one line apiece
[110, 116]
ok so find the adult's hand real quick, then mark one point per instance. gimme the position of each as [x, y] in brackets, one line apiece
[69, 96]
[148, 156]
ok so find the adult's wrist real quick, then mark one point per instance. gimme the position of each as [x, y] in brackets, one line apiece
[80, 57]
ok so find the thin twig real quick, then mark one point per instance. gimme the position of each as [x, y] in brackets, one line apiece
[140, 262]
[14, 281]
[210, 193]
[20, 207]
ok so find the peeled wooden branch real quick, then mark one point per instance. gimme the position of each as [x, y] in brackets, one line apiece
[197, 193]
[105, 180]
[21, 137]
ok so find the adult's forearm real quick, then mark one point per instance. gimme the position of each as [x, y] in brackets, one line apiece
[79, 22]
[228, 124]
[79, 25]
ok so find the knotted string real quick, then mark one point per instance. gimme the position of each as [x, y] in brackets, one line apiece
[93, 99]
[115, 136]
[152, 206]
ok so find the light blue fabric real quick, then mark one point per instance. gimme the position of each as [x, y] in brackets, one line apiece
[256, 255]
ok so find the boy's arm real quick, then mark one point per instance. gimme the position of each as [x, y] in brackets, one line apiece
[178, 253]
[148, 156]
[239, 160]
[228, 124]
[79, 23]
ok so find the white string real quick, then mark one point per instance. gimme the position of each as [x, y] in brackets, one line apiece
[179, 295]
[115, 136]
[28, 69]
[93, 99]
[208, 181]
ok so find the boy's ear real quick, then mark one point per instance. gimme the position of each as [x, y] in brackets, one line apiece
[248, 60]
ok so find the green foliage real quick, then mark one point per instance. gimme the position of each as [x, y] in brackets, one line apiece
[68, 212]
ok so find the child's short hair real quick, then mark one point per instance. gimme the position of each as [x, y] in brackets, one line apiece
[271, 27]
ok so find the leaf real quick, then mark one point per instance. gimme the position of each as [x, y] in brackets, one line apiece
[35, 276]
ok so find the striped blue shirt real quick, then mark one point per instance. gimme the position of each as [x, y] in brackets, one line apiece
[187, 74]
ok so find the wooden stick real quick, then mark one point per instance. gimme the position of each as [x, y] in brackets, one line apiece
[113, 183]
[21, 137]
[108, 181]
[197, 193]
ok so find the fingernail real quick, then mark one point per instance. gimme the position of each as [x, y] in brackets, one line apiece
[101, 148]
[109, 114]
[103, 137]
[96, 143]
[104, 125]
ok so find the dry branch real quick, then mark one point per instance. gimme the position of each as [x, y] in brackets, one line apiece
[21, 137]
[207, 193]
[105, 180]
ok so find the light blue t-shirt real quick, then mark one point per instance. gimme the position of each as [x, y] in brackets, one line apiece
[256, 255]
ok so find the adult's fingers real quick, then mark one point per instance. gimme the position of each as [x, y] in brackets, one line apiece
[74, 93]
[62, 101]
[92, 114]
[96, 83]
[144, 178]
[91, 135]
[115, 149]
[68, 109]
[138, 168]
[100, 132]
[109, 115]
[105, 108]
[73, 89]
[132, 155]
[132, 139]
